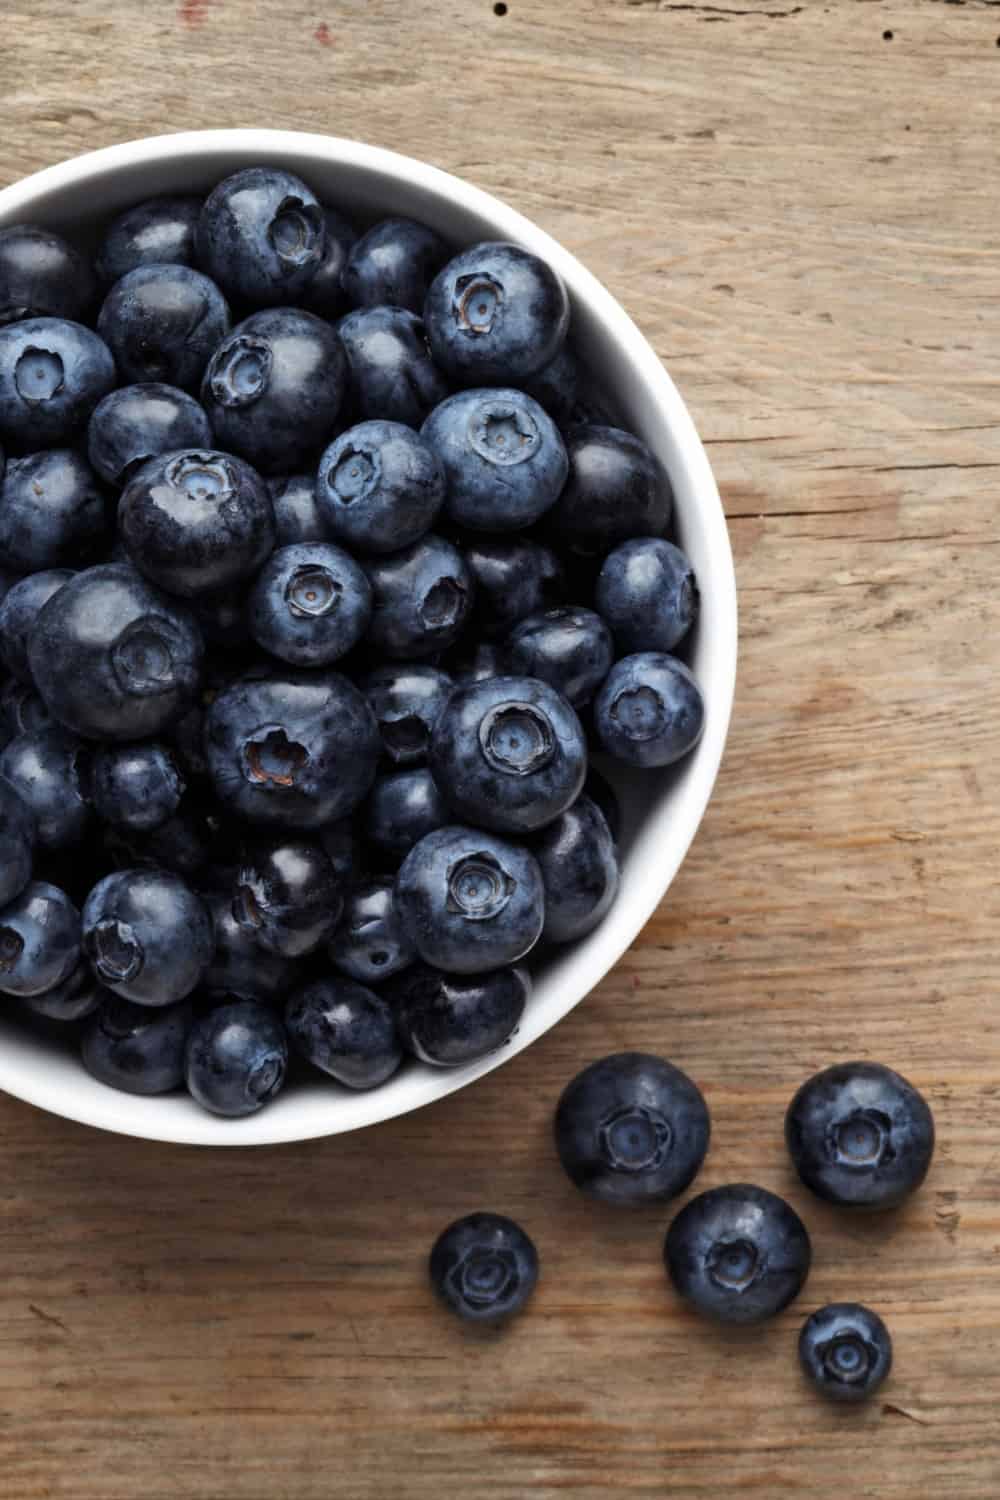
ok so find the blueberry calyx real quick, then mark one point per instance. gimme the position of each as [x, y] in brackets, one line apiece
[503, 434]
[861, 1139]
[638, 712]
[240, 372]
[477, 302]
[202, 476]
[246, 905]
[734, 1265]
[270, 758]
[847, 1358]
[39, 375]
[356, 473]
[312, 592]
[11, 948]
[116, 952]
[296, 232]
[442, 604]
[635, 1139]
[517, 738]
[478, 887]
[142, 659]
[266, 1078]
[484, 1277]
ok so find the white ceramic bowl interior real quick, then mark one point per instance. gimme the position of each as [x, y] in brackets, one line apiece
[661, 810]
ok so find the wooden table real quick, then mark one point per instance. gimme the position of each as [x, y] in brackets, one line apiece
[797, 202]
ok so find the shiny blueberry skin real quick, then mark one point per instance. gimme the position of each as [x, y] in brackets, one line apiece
[484, 1268]
[325, 293]
[147, 935]
[402, 807]
[135, 1049]
[845, 1350]
[495, 312]
[18, 613]
[53, 511]
[297, 516]
[632, 1129]
[341, 846]
[649, 710]
[469, 901]
[236, 1058]
[579, 863]
[406, 701]
[379, 487]
[158, 231]
[262, 236]
[288, 896]
[503, 458]
[617, 489]
[569, 648]
[346, 1030]
[393, 265]
[273, 388]
[42, 276]
[738, 1254]
[297, 751]
[113, 658]
[371, 943]
[421, 598]
[310, 604]
[392, 374]
[140, 422]
[77, 997]
[39, 940]
[46, 770]
[161, 323]
[647, 593]
[860, 1135]
[18, 836]
[515, 577]
[449, 1020]
[508, 753]
[240, 967]
[52, 375]
[556, 386]
[197, 521]
[137, 787]
[476, 664]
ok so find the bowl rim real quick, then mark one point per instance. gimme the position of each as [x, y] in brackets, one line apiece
[327, 151]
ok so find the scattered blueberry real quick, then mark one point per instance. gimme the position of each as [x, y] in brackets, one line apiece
[484, 1268]
[137, 787]
[46, 770]
[379, 487]
[18, 613]
[53, 511]
[402, 807]
[42, 276]
[297, 516]
[262, 236]
[346, 1030]
[288, 896]
[421, 599]
[845, 1351]
[393, 265]
[406, 701]
[136, 1049]
[236, 1058]
[310, 604]
[18, 835]
[161, 323]
[495, 312]
[159, 231]
[371, 944]
[579, 863]
[569, 648]
[147, 935]
[738, 1253]
[140, 422]
[52, 375]
[449, 1020]
[39, 940]
[514, 577]
[647, 593]
[392, 374]
[649, 710]
[617, 489]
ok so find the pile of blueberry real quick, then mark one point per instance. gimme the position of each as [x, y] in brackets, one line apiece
[633, 1130]
[321, 581]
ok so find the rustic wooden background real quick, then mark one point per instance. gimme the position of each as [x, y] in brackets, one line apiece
[797, 202]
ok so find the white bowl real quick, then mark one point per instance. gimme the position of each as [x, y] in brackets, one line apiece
[661, 810]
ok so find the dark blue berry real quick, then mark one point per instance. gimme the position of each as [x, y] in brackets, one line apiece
[632, 1129]
[393, 265]
[845, 1350]
[495, 312]
[140, 422]
[484, 1268]
[42, 276]
[240, 967]
[860, 1135]
[297, 516]
[406, 701]
[158, 231]
[147, 935]
[161, 323]
[647, 593]
[340, 845]
[288, 896]
[77, 997]
[421, 597]
[402, 807]
[53, 511]
[52, 375]
[649, 710]
[18, 613]
[371, 944]
[379, 487]
[236, 1058]
[310, 604]
[476, 664]
[556, 387]
[136, 1049]
[569, 648]
[325, 292]
[738, 1254]
[579, 863]
[137, 787]
[449, 1020]
[514, 577]
[599, 789]
[47, 771]
[392, 373]
[262, 236]
[346, 1030]
[39, 940]
[18, 836]
[617, 489]
[22, 711]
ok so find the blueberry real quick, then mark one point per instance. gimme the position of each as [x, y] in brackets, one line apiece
[496, 312]
[136, 1049]
[137, 787]
[262, 236]
[339, 843]
[147, 935]
[112, 658]
[53, 511]
[632, 1129]
[236, 1058]
[449, 1020]
[738, 1253]
[161, 323]
[310, 604]
[273, 388]
[18, 613]
[503, 458]
[325, 293]
[599, 789]
[39, 940]
[240, 967]
[515, 577]
[188, 841]
[371, 944]
[845, 1350]
[393, 265]
[288, 896]
[617, 489]
[860, 1135]
[477, 664]
[468, 901]
[379, 487]
[18, 836]
[484, 1268]
[649, 711]
[46, 769]
[392, 374]
[421, 599]
[569, 648]
[158, 231]
[401, 808]
[406, 701]
[52, 375]
[647, 593]
[296, 751]
[196, 521]
[42, 276]
[297, 516]
[22, 711]
[346, 1030]
[556, 387]
[579, 863]
[508, 753]
[77, 997]
[140, 422]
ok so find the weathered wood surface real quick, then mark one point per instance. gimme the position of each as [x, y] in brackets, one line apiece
[802, 217]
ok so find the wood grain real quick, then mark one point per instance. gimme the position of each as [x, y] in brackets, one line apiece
[801, 215]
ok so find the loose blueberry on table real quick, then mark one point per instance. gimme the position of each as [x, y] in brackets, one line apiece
[738, 1254]
[845, 1351]
[484, 1268]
